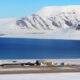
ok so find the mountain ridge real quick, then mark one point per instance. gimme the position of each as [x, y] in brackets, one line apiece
[48, 19]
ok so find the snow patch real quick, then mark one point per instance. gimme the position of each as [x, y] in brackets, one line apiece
[46, 76]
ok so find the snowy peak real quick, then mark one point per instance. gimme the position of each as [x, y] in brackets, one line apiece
[52, 18]
[55, 10]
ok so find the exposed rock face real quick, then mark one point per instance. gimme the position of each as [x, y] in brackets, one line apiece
[61, 17]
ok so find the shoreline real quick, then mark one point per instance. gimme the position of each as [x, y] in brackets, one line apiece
[17, 69]
[34, 38]
[71, 61]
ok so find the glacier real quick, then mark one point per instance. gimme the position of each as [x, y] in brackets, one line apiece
[52, 22]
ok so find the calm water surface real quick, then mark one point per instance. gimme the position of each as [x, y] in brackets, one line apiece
[17, 48]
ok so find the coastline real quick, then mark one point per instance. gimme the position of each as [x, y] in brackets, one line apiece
[59, 35]
[13, 69]
[71, 61]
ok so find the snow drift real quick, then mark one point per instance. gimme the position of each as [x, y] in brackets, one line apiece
[47, 76]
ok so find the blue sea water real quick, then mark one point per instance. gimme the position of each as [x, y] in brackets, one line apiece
[21, 48]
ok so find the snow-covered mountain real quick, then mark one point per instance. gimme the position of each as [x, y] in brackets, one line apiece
[58, 22]
[51, 18]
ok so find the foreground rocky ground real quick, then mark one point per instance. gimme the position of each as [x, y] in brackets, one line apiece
[39, 69]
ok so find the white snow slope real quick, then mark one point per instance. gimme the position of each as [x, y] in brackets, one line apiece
[47, 76]
[53, 22]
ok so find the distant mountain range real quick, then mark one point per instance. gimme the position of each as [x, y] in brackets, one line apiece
[52, 18]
